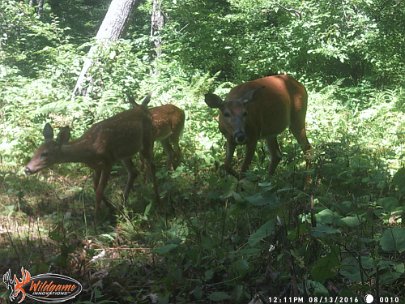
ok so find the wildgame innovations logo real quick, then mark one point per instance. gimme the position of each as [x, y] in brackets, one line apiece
[47, 288]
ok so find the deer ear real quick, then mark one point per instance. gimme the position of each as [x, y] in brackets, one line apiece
[63, 136]
[213, 101]
[48, 132]
[146, 99]
[248, 96]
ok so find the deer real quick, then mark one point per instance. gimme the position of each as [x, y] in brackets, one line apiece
[262, 109]
[116, 138]
[167, 127]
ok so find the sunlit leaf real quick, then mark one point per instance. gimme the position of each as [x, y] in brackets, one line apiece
[351, 221]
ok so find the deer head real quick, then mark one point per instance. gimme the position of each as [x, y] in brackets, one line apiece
[48, 153]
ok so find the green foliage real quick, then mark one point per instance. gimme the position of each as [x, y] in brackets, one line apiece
[27, 42]
[393, 240]
[244, 39]
[79, 18]
[214, 239]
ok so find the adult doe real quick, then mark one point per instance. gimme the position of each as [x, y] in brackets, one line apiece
[262, 108]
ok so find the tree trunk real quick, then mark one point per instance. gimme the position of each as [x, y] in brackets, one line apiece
[111, 29]
[157, 23]
[40, 7]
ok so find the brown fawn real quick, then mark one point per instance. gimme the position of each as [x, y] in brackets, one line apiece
[116, 138]
[262, 108]
[167, 126]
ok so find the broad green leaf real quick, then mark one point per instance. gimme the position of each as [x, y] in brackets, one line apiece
[324, 230]
[389, 203]
[265, 230]
[351, 221]
[241, 266]
[393, 240]
[325, 267]
[209, 274]
[350, 267]
[165, 249]
[197, 292]
[399, 179]
[237, 197]
[218, 296]
[51, 107]
[147, 210]
[267, 198]
[390, 271]
[108, 236]
[315, 288]
[250, 251]
[345, 207]
[400, 267]
[237, 293]
[327, 216]
[257, 200]
[389, 277]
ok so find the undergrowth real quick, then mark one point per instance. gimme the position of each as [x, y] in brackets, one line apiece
[217, 239]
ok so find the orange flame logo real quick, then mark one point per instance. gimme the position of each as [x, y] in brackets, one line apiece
[47, 288]
[15, 285]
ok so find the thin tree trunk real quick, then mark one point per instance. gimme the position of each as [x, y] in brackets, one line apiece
[157, 23]
[111, 29]
[40, 7]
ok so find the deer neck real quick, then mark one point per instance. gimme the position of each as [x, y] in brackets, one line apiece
[76, 152]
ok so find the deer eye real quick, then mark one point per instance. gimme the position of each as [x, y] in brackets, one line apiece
[44, 155]
[227, 114]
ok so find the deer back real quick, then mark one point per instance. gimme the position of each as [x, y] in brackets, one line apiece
[166, 121]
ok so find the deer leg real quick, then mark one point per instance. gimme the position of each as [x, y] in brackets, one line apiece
[299, 132]
[169, 152]
[132, 174]
[147, 154]
[230, 150]
[297, 128]
[177, 151]
[275, 154]
[96, 182]
[103, 180]
[300, 135]
[96, 178]
[250, 151]
[144, 164]
[154, 181]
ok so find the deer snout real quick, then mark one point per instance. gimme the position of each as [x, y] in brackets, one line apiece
[239, 137]
[28, 171]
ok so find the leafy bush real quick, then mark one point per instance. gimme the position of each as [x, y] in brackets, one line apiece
[214, 239]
